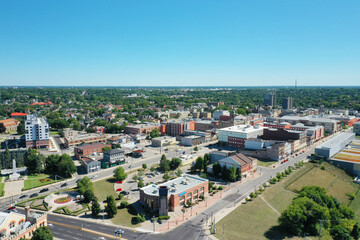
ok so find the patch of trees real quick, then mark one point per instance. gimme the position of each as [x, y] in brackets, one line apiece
[61, 165]
[232, 173]
[312, 208]
[42, 233]
[167, 165]
[119, 174]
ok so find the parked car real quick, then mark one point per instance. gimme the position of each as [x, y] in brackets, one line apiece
[64, 185]
[24, 196]
[44, 190]
[125, 192]
[95, 176]
[34, 195]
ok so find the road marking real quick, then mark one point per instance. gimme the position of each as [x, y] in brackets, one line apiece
[85, 230]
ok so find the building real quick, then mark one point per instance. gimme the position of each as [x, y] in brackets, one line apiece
[141, 128]
[8, 125]
[356, 128]
[270, 99]
[239, 160]
[90, 164]
[287, 103]
[205, 115]
[89, 149]
[330, 125]
[272, 150]
[349, 158]
[18, 115]
[177, 127]
[218, 113]
[192, 140]
[14, 226]
[36, 132]
[163, 141]
[334, 145]
[85, 138]
[235, 136]
[178, 191]
[112, 158]
[204, 125]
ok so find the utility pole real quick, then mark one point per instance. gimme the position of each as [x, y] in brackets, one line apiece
[154, 223]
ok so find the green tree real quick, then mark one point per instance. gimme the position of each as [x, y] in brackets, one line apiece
[199, 163]
[232, 173]
[51, 163]
[216, 169]
[144, 166]
[196, 148]
[33, 161]
[355, 232]
[84, 184]
[42, 233]
[119, 174]
[178, 172]
[164, 164]
[166, 177]
[7, 159]
[89, 196]
[110, 206]
[95, 208]
[105, 149]
[238, 173]
[206, 161]
[141, 184]
[66, 166]
[21, 128]
[155, 133]
[175, 163]
[340, 232]
[152, 169]
[135, 177]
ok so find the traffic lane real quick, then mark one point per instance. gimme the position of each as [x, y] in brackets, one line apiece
[64, 233]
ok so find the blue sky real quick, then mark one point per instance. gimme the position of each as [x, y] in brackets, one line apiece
[179, 43]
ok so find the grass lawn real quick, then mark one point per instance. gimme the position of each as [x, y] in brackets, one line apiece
[265, 163]
[2, 185]
[33, 181]
[355, 205]
[125, 217]
[256, 220]
[104, 188]
[54, 133]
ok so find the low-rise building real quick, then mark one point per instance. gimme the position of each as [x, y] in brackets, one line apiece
[85, 138]
[218, 113]
[177, 127]
[112, 158]
[8, 125]
[14, 226]
[192, 140]
[334, 145]
[163, 141]
[356, 128]
[235, 136]
[89, 149]
[172, 195]
[239, 160]
[141, 128]
[90, 164]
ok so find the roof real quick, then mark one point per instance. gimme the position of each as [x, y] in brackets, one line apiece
[175, 186]
[241, 128]
[16, 114]
[8, 122]
[241, 159]
[335, 140]
[90, 146]
[4, 216]
[114, 151]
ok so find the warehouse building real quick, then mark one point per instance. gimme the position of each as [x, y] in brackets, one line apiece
[334, 145]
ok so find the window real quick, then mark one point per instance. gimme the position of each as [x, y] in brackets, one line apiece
[12, 225]
[2, 233]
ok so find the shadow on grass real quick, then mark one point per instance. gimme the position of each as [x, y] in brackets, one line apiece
[276, 232]
[111, 180]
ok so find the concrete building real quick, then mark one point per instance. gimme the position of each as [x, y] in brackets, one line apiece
[14, 226]
[204, 125]
[89, 149]
[334, 145]
[177, 127]
[287, 103]
[330, 126]
[272, 150]
[8, 125]
[270, 99]
[85, 138]
[112, 158]
[141, 128]
[349, 158]
[235, 136]
[218, 113]
[163, 141]
[192, 140]
[36, 132]
[179, 191]
[90, 164]
[356, 128]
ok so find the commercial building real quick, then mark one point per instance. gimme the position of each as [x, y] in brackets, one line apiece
[8, 125]
[14, 226]
[192, 140]
[90, 164]
[218, 113]
[112, 158]
[349, 158]
[36, 132]
[85, 138]
[330, 125]
[176, 193]
[163, 141]
[356, 128]
[141, 128]
[287, 103]
[239, 160]
[204, 125]
[235, 136]
[270, 99]
[18, 115]
[89, 149]
[273, 150]
[334, 145]
[177, 127]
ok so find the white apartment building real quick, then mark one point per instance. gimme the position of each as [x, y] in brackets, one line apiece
[36, 132]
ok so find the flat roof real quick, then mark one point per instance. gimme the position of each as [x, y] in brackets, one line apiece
[175, 186]
[350, 153]
[241, 128]
[335, 140]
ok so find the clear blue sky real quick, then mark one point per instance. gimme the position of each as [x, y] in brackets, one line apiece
[179, 43]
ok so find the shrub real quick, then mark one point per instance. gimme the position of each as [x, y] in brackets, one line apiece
[201, 197]
[203, 175]
[279, 176]
[273, 180]
[220, 188]
[322, 167]
[214, 188]
[124, 204]
[351, 196]
[164, 217]
[252, 195]
[189, 203]
[140, 217]
[120, 196]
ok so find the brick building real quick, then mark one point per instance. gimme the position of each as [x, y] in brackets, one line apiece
[141, 128]
[176, 128]
[88, 149]
[84, 138]
[8, 125]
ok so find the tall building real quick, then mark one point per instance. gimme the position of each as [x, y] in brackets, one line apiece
[269, 99]
[36, 132]
[287, 103]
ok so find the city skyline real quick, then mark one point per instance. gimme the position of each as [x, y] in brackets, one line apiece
[175, 44]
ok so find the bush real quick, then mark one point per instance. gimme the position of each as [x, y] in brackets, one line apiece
[214, 188]
[203, 175]
[252, 195]
[120, 196]
[189, 203]
[163, 217]
[351, 196]
[140, 217]
[273, 180]
[322, 167]
[220, 188]
[144, 166]
[201, 197]
[124, 204]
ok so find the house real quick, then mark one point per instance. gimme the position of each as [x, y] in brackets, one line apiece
[14, 226]
[90, 164]
[112, 158]
[89, 149]
[8, 125]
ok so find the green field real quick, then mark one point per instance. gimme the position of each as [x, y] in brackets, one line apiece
[54, 133]
[256, 220]
[265, 163]
[2, 185]
[33, 181]
[125, 216]
[104, 188]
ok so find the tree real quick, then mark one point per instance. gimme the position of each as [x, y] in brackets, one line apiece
[232, 173]
[95, 208]
[224, 172]
[166, 177]
[175, 163]
[66, 166]
[89, 196]
[141, 184]
[206, 161]
[238, 173]
[152, 169]
[164, 164]
[85, 184]
[135, 177]
[178, 172]
[32, 161]
[340, 232]
[119, 174]
[196, 148]
[155, 133]
[42, 233]
[7, 159]
[355, 232]
[105, 149]
[216, 169]
[144, 166]
[21, 128]
[199, 163]
[110, 206]
[51, 163]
